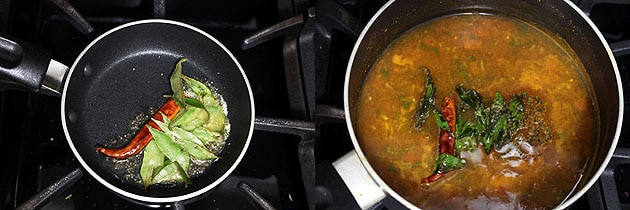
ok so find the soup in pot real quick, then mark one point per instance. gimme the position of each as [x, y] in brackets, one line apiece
[487, 54]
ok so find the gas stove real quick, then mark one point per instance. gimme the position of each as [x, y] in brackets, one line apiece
[295, 55]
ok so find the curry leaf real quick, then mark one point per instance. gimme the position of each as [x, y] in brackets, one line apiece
[171, 150]
[465, 135]
[205, 135]
[497, 105]
[152, 160]
[427, 102]
[469, 96]
[216, 119]
[516, 108]
[193, 145]
[171, 173]
[177, 84]
[194, 102]
[495, 136]
[467, 143]
[441, 121]
[446, 163]
[196, 87]
[190, 119]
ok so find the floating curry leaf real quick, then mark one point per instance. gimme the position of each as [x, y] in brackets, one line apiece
[494, 125]
[446, 163]
[516, 109]
[469, 96]
[465, 135]
[497, 105]
[427, 102]
[496, 135]
[441, 121]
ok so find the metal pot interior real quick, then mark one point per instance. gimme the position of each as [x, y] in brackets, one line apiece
[557, 18]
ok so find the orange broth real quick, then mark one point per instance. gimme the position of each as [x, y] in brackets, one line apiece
[487, 53]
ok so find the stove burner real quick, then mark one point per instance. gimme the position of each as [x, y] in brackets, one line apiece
[306, 51]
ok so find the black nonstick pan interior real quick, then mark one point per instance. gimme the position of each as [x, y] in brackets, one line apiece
[125, 72]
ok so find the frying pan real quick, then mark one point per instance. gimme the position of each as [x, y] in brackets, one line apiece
[124, 73]
[560, 18]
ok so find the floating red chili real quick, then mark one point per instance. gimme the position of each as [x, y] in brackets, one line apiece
[446, 160]
[143, 137]
[447, 137]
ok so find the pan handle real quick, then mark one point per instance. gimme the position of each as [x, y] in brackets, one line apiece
[40, 198]
[27, 67]
[363, 188]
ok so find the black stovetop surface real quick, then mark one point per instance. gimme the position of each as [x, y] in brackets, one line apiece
[34, 152]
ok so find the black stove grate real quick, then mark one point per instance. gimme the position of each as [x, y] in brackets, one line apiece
[296, 80]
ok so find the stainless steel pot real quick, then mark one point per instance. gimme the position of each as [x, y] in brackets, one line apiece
[560, 17]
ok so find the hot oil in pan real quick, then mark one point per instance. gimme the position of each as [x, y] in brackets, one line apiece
[128, 170]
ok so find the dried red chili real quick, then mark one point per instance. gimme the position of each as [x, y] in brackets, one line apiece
[143, 137]
[447, 137]
[446, 160]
